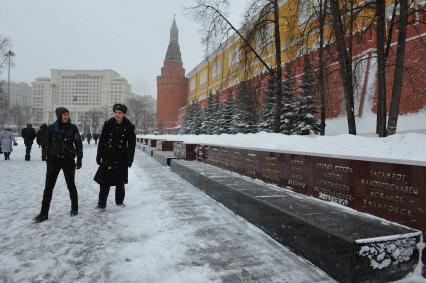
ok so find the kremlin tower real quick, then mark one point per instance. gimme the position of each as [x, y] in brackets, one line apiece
[172, 85]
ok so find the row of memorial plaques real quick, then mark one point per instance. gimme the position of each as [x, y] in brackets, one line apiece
[184, 151]
[393, 191]
[164, 145]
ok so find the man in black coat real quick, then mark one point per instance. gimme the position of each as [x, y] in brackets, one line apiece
[96, 137]
[116, 150]
[42, 140]
[88, 137]
[29, 135]
[62, 146]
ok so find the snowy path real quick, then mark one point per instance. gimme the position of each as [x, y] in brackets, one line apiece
[168, 232]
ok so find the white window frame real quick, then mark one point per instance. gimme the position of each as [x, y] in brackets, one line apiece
[216, 69]
[234, 57]
[203, 77]
[192, 84]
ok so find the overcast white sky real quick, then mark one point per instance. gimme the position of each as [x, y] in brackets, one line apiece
[128, 36]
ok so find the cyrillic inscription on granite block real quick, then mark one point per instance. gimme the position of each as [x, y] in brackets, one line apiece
[164, 145]
[393, 191]
[334, 180]
[300, 173]
[185, 151]
[152, 143]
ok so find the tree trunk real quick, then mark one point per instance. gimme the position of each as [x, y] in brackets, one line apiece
[399, 68]
[345, 65]
[381, 68]
[321, 66]
[278, 77]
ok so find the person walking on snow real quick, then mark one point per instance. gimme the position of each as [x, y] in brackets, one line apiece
[96, 137]
[116, 150]
[62, 146]
[42, 140]
[28, 134]
[6, 141]
[88, 137]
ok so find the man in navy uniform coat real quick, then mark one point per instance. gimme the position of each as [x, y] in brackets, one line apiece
[116, 150]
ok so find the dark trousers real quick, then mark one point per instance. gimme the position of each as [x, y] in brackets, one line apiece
[53, 169]
[104, 191]
[28, 151]
[6, 155]
[43, 153]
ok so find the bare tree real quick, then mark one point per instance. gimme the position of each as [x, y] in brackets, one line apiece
[399, 67]
[344, 51]
[141, 114]
[4, 45]
[94, 117]
[261, 27]
[20, 116]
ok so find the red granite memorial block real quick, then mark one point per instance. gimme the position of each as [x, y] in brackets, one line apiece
[300, 173]
[185, 151]
[334, 179]
[164, 145]
[392, 191]
[152, 143]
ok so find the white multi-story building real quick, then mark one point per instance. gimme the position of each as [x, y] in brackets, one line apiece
[41, 88]
[81, 91]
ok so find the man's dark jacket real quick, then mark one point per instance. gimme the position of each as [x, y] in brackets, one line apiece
[63, 142]
[116, 149]
[28, 134]
[42, 135]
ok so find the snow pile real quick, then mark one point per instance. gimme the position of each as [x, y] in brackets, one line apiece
[383, 254]
[408, 147]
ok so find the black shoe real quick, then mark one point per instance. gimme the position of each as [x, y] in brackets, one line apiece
[73, 212]
[121, 205]
[40, 218]
[100, 207]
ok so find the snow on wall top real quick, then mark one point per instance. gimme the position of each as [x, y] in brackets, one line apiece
[400, 148]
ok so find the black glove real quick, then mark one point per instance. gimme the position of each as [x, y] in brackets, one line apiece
[129, 163]
[78, 164]
[98, 160]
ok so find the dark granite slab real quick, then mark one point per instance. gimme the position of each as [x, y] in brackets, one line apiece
[164, 157]
[348, 245]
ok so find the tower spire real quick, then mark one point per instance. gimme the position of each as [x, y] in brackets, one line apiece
[173, 51]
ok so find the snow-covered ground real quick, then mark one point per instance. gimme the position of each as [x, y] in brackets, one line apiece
[168, 232]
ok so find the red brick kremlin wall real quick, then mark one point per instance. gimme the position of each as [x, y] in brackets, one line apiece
[172, 89]
[413, 97]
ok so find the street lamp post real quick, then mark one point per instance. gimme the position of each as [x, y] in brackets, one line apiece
[74, 100]
[9, 54]
[53, 93]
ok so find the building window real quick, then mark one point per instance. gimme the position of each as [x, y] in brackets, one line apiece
[305, 11]
[203, 77]
[216, 69]
[234, 57]
[264, 37]
[192, 84]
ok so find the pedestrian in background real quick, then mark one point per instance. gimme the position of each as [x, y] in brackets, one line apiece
[88, 137]
[28, 134]
[96, 137]
[42, 140]
[6, 140]
[63, 146]
[116, 150]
